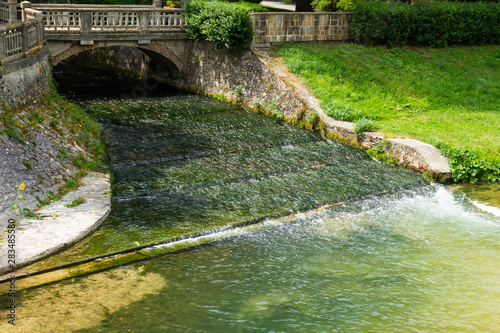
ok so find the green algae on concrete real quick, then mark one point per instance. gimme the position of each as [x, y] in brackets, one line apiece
[187, 164]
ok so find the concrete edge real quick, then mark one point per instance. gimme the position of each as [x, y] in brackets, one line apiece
[412, 154]
[64, 245]
[60, 226]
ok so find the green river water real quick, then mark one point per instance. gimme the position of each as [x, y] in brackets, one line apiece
[391, 253]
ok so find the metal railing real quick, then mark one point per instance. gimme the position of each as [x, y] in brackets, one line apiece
[94, 18]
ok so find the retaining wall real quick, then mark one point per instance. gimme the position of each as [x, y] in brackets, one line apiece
[240, 76]
[24, 65]
[25, 80]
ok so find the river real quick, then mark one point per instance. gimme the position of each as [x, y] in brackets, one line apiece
[350, 243]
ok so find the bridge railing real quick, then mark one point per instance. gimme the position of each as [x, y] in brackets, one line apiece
[94, 18]
[4, 12]
[8, 11]
[20, 37]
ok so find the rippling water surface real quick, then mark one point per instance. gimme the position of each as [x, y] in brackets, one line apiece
[424, 261]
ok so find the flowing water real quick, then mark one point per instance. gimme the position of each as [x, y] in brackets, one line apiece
[390, 253]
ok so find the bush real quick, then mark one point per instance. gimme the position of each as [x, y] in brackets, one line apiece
[339, 111]
[334, 5]
[467, 166]
[434, 24]
[364, 125]
[227, 25]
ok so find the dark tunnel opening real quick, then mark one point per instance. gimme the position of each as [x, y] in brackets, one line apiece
[118, 72]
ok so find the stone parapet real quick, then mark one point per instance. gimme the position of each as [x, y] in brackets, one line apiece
[272, 28]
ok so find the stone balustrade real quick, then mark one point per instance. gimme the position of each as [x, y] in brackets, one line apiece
[8, 11]
[4, 12]
[95, 19]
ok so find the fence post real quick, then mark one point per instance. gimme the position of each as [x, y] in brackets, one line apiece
[12, 11]
[24, 5]
[157, 3]
[143, 21]
[2, 43]
[41, 29]
[86, 22]
[25, 37]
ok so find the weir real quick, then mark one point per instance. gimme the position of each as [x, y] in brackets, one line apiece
[306, 234]
[185, 165]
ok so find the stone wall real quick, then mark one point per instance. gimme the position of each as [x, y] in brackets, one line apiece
[240, 76]
[300, 27]
[25, 80]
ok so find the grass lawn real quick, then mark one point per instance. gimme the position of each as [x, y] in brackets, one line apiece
[449, 95]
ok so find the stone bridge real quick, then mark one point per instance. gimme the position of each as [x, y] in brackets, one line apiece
[159, 32]
[71, 29]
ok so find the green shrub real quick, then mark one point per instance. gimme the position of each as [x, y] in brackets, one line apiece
[364, 125]
[29, 165]
[238, 90]
[227, 25]
[339, 111]
[312, 117]
[271, 108]
[434, 24]
[71, 182]
[467, 166]
[76, 202]
[35, 117]
[334, 5]
[53, 123]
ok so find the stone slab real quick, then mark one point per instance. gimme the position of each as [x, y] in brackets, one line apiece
[279, 4]
[420, 156]
[60, 226]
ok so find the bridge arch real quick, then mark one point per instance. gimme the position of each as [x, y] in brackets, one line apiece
[160, 54]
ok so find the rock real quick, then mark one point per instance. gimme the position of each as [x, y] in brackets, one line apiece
[421, 157]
